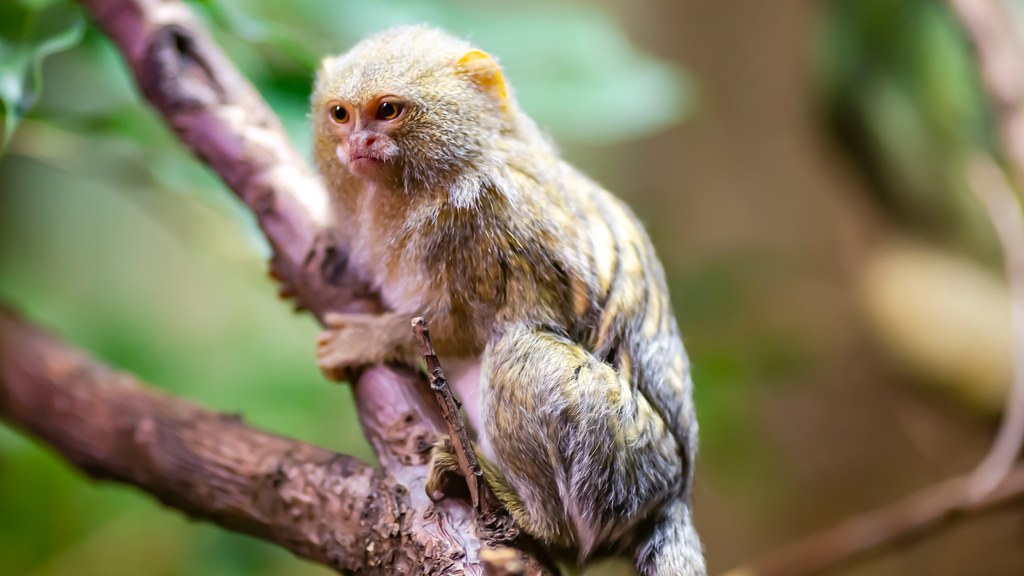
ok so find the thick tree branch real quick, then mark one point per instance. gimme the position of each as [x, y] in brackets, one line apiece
[320, 505]
[327, 507]
[219, 116]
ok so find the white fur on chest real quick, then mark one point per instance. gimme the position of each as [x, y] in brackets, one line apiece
[371, 251]
[369, 248]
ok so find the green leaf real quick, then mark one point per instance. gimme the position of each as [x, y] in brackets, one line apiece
[30, 30]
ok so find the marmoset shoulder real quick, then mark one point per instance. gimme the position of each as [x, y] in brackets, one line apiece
[542, 289]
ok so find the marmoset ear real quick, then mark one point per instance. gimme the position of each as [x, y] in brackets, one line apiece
[482, 70]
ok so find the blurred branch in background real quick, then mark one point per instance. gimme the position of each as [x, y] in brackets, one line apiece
[997, 481]
[926, 512]
[989, 27]
[1000, 58]
[1004, 209]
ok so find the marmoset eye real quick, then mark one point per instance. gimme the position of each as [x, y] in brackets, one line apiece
[389, 110]
[340, 114]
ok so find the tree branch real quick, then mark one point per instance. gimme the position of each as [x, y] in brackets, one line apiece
[320, 505]
[989, 184]
[1000, 62]
[219, 116]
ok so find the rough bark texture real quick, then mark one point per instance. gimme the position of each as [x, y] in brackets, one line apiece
[320, 505]
[218, 115]
[323, 506]
[330, 508]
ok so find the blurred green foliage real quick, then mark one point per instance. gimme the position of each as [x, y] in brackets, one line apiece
[114, 236]
[573, 70]
[900, 88]
[30, 30]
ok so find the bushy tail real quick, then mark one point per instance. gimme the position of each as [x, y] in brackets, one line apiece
[672, 548]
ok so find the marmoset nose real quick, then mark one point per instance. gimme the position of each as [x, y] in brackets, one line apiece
[364, 139]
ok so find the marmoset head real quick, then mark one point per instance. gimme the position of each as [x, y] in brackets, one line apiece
[410, 104]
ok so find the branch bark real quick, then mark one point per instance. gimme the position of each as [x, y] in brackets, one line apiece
[320, 505]
[218, 115]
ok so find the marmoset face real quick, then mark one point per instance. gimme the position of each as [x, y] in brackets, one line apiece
[365, 133]
[388, 109]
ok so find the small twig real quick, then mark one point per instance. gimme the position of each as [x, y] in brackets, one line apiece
[1004, 210]
[450, 410]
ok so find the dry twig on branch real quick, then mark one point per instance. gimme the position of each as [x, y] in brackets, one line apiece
[450, 410]
[375, 521]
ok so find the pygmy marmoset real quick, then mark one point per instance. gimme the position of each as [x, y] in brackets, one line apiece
[546, 301]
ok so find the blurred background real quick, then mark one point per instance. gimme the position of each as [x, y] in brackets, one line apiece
[799, 165]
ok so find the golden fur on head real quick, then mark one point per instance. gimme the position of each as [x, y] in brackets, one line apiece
[460, 111]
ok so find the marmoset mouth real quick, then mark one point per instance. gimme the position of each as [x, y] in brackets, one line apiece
[360, 161]
[365, 163]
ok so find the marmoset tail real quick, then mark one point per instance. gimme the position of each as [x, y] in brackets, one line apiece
[546, 301]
